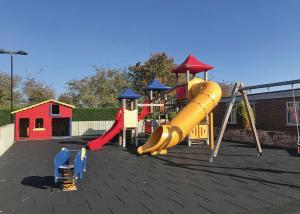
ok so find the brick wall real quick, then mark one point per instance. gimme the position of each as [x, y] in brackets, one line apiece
[278, 139]
[270, 115]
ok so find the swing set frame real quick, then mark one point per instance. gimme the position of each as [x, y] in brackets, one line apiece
[239, 88]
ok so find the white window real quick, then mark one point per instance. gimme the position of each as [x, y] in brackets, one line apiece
[232, 117]
[291, 115]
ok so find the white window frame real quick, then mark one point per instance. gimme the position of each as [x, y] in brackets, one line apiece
[287, 112]
[230, 120]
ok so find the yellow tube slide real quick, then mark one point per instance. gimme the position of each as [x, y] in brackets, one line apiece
[204, 96]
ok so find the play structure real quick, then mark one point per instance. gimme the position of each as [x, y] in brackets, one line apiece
[191, 104]
[68, 173]
[169, 116]
[127, 118]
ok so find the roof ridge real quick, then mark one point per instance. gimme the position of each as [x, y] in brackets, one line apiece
[41, 103]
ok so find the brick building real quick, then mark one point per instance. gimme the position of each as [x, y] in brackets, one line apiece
[274, 111]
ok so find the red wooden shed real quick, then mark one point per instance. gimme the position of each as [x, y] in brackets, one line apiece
[43, 120]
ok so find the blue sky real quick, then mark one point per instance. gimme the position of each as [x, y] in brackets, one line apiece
[254, 41]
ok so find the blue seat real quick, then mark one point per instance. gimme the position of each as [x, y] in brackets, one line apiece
[61, 158]
[80, 163]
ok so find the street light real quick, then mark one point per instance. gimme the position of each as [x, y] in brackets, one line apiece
[11, 53]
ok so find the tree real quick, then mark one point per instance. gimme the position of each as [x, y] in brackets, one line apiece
[36, 91]
[159, 65]
[98, 90]
[5, 90]
[242, 117]
[66, 98]
[226, 88]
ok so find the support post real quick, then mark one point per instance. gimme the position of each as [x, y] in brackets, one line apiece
[207, 119]
[11, 87]
[135, 104]
[225, 121]
[187, 91]
[205, 75]
[211, 131]
[120, 139]
[187, 76]
[252, 122]
[124, 137]
[151, 97]
[136, 140]
[123, 103]
[131, 105]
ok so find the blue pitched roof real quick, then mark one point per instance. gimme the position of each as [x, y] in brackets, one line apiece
[129, 94]
[155, 84]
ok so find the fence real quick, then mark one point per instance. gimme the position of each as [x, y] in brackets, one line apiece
[6, 137]
[272, 138]
[89, 128]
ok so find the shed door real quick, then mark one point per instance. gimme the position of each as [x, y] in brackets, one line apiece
[61, 127]
[24, 127]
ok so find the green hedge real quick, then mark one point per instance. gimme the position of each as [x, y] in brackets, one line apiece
[92, 114]
[79, 114]
[4, 117]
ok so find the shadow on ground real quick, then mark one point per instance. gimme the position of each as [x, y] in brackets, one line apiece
[206, 168]
[290, 151]
[81, 143]
[39, 182]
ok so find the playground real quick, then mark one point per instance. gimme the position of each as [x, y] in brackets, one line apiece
[160, 155]
[183, 181]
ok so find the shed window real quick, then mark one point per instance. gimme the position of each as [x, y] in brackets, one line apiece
[292, 114]
[55, 109]
[39, 123]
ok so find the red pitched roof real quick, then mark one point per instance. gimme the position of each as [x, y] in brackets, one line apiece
[193, 65]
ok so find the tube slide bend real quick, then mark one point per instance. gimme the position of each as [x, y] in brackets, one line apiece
[204, 96]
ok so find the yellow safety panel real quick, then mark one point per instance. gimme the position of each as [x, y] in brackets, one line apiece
[199, 132]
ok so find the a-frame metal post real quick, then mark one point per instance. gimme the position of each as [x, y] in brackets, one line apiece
[225, 121]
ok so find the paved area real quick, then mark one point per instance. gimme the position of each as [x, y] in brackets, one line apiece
[118, 181]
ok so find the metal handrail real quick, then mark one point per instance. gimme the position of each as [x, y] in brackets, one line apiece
[269, 85]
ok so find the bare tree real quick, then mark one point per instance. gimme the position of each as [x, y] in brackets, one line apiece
[98, 90]
[226, 88]
[5, 90]
[36, 90]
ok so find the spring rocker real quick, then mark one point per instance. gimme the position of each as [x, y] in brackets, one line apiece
[68, 174]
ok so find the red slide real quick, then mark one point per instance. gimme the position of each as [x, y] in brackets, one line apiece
[113, 131]
[118, 125]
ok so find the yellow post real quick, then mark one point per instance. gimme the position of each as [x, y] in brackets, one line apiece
[211, 131]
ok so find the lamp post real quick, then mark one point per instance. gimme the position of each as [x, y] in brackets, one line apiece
[11, 53]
